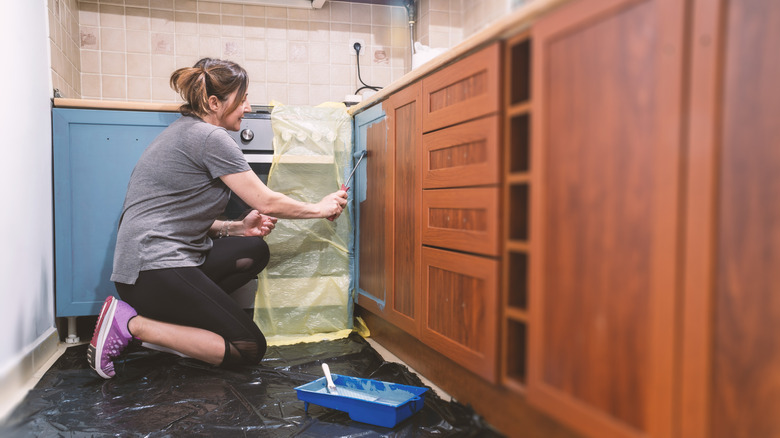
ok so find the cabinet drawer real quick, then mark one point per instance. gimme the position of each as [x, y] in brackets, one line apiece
[463, 91]
[462, 155]
[462, 219]
[460, 299]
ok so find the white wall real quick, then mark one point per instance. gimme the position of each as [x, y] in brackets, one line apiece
[26, 221]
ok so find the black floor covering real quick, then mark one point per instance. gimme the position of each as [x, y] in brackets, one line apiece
[159, 395]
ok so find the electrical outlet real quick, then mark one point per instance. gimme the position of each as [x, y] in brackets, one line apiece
[363, 48]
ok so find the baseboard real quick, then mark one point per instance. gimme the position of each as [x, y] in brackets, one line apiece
[507, 411]
[15, 380]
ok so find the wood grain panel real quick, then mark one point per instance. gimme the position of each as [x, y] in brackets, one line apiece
[462, 219]
[404, 108]
[460, 305]
[375, 248]
[606, 153]
[465, 90]
[746, 369]
[462, 155]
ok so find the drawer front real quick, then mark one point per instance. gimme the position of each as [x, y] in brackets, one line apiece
[460, 308]
[462, 219]
[462, 155]
[463, 91]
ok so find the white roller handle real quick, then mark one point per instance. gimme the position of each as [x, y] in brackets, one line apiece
[331, 385]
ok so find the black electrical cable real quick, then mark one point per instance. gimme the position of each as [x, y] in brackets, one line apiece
[356, 46]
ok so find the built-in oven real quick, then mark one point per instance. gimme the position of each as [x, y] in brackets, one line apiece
[256, 141]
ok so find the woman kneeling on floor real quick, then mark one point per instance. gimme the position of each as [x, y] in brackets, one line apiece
[174, 263]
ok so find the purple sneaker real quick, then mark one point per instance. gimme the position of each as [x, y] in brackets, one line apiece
[111, 336]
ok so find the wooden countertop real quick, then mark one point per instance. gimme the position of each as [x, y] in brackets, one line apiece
[504, 27]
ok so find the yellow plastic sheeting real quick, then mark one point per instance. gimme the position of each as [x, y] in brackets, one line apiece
[304, 290]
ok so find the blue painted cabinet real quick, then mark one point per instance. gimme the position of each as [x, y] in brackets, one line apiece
[373, 247]
[94, 153]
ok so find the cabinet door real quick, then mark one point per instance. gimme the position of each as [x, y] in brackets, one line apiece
[373, 262]
[459, 308]
[605, 223]
[94, 154]
[731, 355]
[405, 135]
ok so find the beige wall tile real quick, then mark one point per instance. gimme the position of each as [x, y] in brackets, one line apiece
[254, 27]
[298, 74]
[89, 37]
[233, 49]
[137, 18]
[319, 74]
[298, 14]
[186, 5]
[186, 45]
[139, 64]
[144, 3]
[161, 4]
[209, 47]
[298, 53]
[209, 7]
[380, 15]
[209, 24]
[111, 16]
[162, 66]
[138, 41]
[340, 12]
[255, 70]
[162, 43]
[298, 95]
[139, 88]
[90, 86]
[90, 61]
[255, 49]
[232, 26]
[186, 22]
[277, 92]
[276, 72]
[112, 39]
[319, 53]
[88, 14]
[162, 21]
[254, 11]
[231, 9]
[277, 50]
[319, 94]
[298, 30]
[112, 63]
[274, 12]
[114, 87]
[162, 91]
[361, 14]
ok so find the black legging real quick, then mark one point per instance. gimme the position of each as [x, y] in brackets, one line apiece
[198, 296]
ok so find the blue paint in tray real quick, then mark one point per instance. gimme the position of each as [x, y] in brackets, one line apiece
[365, 400]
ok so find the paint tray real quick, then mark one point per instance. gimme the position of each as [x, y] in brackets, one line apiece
[365, 400]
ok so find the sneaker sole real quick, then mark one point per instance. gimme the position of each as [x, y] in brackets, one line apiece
[105, 321]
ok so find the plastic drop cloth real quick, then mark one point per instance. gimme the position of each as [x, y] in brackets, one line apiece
[156, 394]
[304, 290]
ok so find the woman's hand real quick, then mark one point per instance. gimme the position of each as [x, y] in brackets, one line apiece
[257, 224]
[332, 205]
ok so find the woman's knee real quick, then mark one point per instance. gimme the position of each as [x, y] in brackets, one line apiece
[256, 258]
[249, 352]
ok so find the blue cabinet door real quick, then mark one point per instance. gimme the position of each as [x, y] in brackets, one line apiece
[94, 153]
[373, 244]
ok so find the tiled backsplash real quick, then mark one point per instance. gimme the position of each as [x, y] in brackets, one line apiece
[127, 49]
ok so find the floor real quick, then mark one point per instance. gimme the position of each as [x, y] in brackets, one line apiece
[9, 401]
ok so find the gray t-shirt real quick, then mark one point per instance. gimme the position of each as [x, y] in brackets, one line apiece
[173, 197]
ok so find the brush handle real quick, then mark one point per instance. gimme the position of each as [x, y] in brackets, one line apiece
[326, 370]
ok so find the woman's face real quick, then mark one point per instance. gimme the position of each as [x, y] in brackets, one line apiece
[232, 121]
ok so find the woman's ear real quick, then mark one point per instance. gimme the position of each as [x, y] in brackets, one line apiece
[214, 103]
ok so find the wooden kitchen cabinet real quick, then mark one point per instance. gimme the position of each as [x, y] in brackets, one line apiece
[605, 221]
[389, 215]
